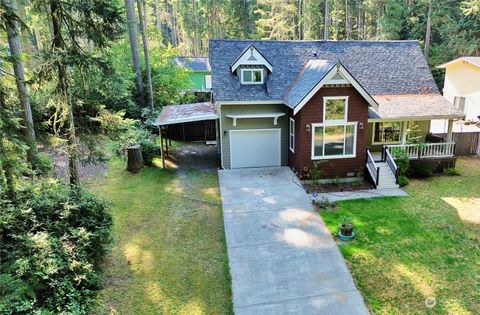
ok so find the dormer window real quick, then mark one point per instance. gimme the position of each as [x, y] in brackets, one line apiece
[252, 76]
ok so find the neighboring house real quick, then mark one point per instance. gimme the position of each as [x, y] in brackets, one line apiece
[200, 72]
[341, 103]
[461, 88]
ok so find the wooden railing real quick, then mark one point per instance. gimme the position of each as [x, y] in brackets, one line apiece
[373, 168]
[391, 163]
[423, 150]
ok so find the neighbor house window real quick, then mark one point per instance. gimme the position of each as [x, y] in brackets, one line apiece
[335, 137]
[387, 132]
[459, 102]
[292, 135]
[251, 76]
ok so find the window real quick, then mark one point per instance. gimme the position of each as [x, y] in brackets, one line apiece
[292, 135]
[387, 132]
[208, 81]
[335, 137]
[335, 108]
[252, 76]
[459, 102]
[330, 141]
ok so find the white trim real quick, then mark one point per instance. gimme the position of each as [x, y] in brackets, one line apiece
[251, 70]
[337, 69]
[260, 60]
[256, 102]
[219, 109]
[328, 157]
[391, 142]
[275, 116]
[291, 135]
[262, 129]
[442, 66]
[325, 99]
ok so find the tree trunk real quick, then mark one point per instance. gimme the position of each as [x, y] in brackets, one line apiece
[146, 52]
[327, 21]
[132, 33]
[337, 18]
[360, 20]
[13, 32]
[64, 87]
[135, 158]
[38, 37]
[196, 36]
[5, 165]
[429, 30]
[300, 35]
[348, 20]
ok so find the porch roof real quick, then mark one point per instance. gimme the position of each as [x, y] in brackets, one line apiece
[413, 106]
[175, 114]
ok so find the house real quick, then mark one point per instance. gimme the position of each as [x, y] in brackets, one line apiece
[462, 88]
[346, 104]
[199, 72]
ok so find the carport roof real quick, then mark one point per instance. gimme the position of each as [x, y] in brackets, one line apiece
[175, 114]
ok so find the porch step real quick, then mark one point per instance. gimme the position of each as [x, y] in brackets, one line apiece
[386, 179]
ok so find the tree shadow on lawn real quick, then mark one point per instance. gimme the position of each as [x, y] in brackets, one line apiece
[169, 254]
[412, 248]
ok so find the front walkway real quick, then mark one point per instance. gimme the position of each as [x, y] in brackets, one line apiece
[283, 259]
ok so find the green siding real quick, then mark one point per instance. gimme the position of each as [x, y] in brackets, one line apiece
[198, 80]
[423, 129]
[254, 123]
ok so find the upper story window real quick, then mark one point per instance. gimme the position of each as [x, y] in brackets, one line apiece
[459, 102]
[252, 76]
[335, 109]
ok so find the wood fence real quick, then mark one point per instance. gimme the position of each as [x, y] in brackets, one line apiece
[466, 143]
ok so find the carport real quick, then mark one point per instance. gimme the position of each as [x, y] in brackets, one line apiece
[187, 122]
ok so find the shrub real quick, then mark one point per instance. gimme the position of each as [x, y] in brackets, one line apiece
[421, 168]
[53, 240]
[137, 135]
[452, 171]
[403, 180]
[43, 163]
[403, 162]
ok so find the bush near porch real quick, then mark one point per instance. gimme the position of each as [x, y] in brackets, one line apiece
[425, 245]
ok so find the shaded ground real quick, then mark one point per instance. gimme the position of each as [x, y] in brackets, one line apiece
[193, 155]
[169, 255]
[424, 247]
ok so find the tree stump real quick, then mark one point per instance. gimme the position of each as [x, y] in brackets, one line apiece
[135, 158]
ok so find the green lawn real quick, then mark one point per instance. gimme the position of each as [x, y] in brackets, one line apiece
[424, 245]
[169, 255]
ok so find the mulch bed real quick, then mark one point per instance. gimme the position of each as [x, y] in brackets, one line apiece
[326, 188]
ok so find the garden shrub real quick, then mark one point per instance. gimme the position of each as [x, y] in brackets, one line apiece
[422, 169]
[402, 161]
[452, 171]
[43, 163]
[403, 180]
[52, 241]
[137, 135]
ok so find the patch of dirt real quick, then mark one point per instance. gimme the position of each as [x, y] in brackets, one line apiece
[325, 188]
[195, 155]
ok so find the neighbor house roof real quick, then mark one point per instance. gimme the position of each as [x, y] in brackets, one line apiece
[381, 67]
[195, 64]
[473, 60]
[417, 106]
[175, 114]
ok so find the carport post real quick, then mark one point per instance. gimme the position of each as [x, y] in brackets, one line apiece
[161, 146]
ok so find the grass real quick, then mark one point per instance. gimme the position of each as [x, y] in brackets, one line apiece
[408, 249]
[169, 254]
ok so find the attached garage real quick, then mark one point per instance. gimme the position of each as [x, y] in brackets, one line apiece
[255, 147]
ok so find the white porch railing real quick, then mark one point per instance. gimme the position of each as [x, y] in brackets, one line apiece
[373, 168]
[424, 150]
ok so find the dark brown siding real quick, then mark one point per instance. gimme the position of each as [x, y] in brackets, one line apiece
[312, 112]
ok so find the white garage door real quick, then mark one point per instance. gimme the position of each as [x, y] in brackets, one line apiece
[255, 148]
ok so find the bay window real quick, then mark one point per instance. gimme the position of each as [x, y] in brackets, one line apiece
[335, 137]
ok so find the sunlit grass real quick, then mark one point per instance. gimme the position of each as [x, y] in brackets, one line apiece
[424, 245]
[169, 255]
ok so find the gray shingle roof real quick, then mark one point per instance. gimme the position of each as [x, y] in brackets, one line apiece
[308, 78]
[381, 67]
[196, 64]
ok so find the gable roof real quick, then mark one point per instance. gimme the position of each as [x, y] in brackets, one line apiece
[255, 58]
[472, 60]
[313, 76]
[175, 114]
[380, 67]
[195, 64]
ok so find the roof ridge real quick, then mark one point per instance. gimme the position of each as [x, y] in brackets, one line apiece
[314, 40]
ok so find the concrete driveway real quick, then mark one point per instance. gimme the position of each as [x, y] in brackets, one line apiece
[282, 258]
